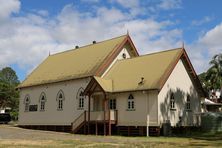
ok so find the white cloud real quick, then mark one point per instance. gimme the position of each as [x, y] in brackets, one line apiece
[206, 19]
[170, 4]
[7, 7]
[90, 1]
[43, 12]
[208, 44]
[133, 6]
[27, 40]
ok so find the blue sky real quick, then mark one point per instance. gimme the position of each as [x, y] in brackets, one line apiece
[30, 29]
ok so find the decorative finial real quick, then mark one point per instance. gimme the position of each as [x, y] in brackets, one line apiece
[127, 32]
[49, 53]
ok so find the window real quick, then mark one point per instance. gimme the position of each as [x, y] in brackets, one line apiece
[131, 105]
[42, 101]
[27, 102]
[172, 101]
[60, 98]
[80, 97]
[124, 55]
[188, 103]
[112, 104]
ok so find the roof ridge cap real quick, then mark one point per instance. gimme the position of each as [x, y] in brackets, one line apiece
[74, 49]
[140, 56]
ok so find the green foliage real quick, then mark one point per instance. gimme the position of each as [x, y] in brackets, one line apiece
[8, 93]
[212, 79]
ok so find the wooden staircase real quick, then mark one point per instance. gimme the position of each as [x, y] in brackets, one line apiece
[79, 122]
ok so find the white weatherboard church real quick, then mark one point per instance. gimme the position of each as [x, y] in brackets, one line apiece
[107, 88]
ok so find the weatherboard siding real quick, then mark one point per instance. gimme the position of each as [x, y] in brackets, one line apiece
[51, 116]
[119, 57]
[137, 117]
[180, 84]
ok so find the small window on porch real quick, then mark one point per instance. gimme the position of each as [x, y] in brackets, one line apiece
[80, 97]
[172, 102]
[188, 103]
[131, 104]
[112, 104]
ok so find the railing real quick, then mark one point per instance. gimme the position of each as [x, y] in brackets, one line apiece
[111, 115]
[82, 118]
[99, 115]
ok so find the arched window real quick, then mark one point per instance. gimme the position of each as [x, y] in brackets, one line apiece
[172, 101]
[124, 56]
[27, 102]
[60, 98]
[131, 104]
[80, 97]
[42, 101]
[188, 103]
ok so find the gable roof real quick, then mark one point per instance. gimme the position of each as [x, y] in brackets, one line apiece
[104, 83]
[126, 74]
[77, 63]
[148, 72]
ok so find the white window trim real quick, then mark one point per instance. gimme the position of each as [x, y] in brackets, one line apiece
[172, 102]
[188, 103]
[60, 101]
[42, 102]
[80, 99]
[112, 105]
[130, 101]
[27, 103]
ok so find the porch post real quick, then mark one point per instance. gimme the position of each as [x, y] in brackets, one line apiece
[96, 128]
[105, 104]
[104, 119]
[109, 123]
[89, 112]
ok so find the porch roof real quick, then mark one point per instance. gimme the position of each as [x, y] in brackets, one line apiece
[104, 83]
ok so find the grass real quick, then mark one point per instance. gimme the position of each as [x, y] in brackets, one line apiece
[119, 141]
[45, 139]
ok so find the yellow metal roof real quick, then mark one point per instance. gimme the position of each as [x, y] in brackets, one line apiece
[104, 83]
[126, 74]
[76, 63]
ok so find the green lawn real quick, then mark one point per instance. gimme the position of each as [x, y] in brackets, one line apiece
[116, 141]
[15, 137]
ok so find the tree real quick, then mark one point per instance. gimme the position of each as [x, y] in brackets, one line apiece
[8, 75]
[8, 93]
[214, 74]
[212, 79]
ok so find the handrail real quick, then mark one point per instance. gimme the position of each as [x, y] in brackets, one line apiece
[79, 116]
[77, 119]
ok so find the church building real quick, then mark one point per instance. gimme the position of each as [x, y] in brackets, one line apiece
[107, 88]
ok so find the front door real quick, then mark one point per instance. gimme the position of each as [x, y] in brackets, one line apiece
[97, 103]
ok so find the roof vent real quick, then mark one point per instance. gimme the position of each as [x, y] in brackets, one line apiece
[77, 47]
[94, 42]
[142, 81]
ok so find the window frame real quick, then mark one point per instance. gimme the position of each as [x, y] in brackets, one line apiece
[81, 99]
[131, 103]
[112, 104]
[27, 103]
[172, 102]
[60, 103]
[42, 101]
[188, 103]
